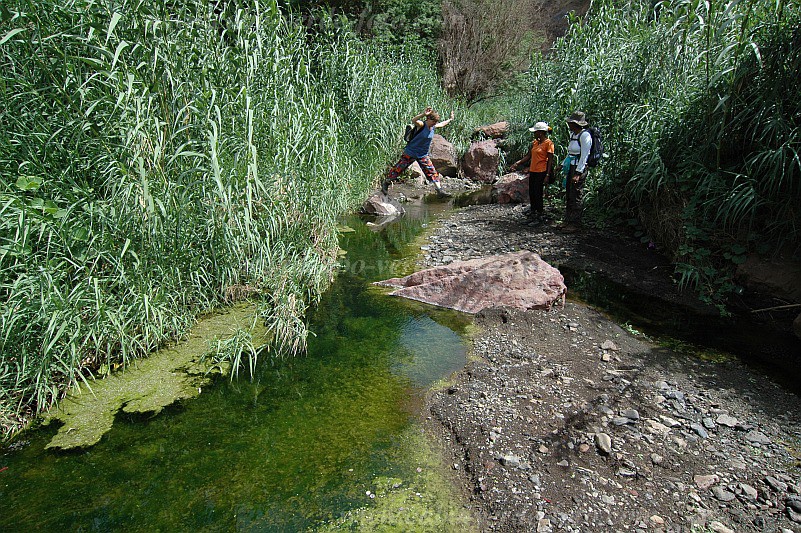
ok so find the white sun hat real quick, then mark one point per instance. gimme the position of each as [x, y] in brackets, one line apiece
[540, 126]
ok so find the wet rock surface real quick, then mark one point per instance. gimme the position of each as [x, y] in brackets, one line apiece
[519, 279]
[566, 421]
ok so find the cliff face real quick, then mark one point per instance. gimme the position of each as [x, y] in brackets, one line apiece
[484, 42]
[548, 18]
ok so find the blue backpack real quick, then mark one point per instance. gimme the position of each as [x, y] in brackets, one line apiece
[597, 149]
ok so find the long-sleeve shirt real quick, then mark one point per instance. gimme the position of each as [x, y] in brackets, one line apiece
[579, 147]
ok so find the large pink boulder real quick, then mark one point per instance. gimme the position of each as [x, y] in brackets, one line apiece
[493, 131]
[480, 162]
[443, 156]
[511, 189]
[520, 279]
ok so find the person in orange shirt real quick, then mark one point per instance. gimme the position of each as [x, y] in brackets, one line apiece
[540, 170]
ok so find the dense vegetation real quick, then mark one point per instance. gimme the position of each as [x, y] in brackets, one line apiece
[701, 113]
[160, 159]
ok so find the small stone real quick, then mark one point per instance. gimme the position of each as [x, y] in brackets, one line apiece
[609, 345]
[757, 437]
[749, 492]
[794, 503]
[722, 494]
[699, 430]
[510, 461]
[584, 447]
[621, 421]
[708, 423]
[604, 443]
[658, 520]
[726, 420]
[717, 527]
[631, 414]
[775, 484]
[704, 482]
[563, 463]
[542, 449]
[606, 357]
[656, 458]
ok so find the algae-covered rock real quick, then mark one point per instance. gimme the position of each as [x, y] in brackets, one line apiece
[171, 374]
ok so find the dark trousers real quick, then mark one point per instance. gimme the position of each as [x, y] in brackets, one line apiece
[536, 186]
[575, 192]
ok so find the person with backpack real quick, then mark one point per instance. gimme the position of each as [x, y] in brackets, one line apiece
[417, 149]
[540, 171]
[578, 150]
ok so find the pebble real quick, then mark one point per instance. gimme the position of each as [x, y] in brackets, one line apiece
[722, 494]
[703, 482]
[699, 430]
[726, 420]
[775, 484]
[604, 443]
[757, 437]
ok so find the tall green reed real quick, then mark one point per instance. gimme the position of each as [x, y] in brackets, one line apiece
[159, 160]
[700, 121]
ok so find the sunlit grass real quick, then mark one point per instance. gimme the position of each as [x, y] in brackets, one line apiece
[156, 158]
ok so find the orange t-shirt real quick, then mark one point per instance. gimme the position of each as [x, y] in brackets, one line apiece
[539, 155]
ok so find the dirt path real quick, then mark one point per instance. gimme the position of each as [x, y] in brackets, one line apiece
[566, 421]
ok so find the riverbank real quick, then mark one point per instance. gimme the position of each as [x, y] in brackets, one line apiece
[569, 421]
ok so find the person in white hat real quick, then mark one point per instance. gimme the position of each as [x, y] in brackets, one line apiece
[540, 162]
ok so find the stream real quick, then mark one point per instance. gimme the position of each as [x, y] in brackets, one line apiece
[329, 440]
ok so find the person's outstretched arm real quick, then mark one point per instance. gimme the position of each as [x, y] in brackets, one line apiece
[444, 122]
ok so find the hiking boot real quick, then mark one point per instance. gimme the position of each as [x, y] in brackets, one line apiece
[440, 192]
[385, 187]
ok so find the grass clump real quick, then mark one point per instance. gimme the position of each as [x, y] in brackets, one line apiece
[159, 160]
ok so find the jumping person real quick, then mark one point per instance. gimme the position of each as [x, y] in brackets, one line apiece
[417, 150]
[578, 150]
[540, 170]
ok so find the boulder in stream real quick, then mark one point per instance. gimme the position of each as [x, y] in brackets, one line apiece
[380, 205]
[520, 280]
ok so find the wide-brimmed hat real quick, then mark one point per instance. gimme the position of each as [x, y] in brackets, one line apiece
[577, 117]
[540, 126]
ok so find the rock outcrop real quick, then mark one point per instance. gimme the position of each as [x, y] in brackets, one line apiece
[443, 156]
[511, 189]
[480, 162]
[493, 131]
[521, 280]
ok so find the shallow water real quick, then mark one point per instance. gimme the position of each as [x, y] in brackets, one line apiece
[309, 440]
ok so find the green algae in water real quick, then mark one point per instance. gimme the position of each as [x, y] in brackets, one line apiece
[171, 374]
[421, 501]
[298, 446]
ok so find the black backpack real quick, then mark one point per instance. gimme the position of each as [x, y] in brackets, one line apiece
[411, 132]
[597, 149]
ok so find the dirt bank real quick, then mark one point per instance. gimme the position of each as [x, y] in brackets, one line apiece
[568, 421]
